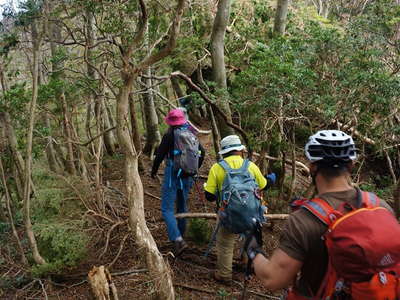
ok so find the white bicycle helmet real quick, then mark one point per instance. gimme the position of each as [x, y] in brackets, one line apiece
[330, 145]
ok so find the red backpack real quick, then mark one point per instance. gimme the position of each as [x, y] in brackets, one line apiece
[364, 250]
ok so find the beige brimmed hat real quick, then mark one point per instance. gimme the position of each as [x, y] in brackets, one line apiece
[231, 143]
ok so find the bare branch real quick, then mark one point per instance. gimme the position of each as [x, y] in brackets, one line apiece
[298, 163]
[173, 34]
[214, 106]
[142, 25]
[95, 137]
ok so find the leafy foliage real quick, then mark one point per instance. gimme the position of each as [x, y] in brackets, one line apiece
[320, 73]
[57, 225]
[199, 231]
[62, 244]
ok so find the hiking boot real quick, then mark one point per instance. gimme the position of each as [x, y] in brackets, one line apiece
[179, 247]
[223, 280]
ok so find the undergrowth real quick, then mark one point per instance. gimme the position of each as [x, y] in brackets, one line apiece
[199, 231]
[57, 217]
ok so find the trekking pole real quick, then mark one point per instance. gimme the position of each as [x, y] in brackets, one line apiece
[212, 240]
[247, 277]
[257, 233]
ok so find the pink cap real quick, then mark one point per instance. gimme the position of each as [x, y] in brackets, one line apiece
[175, 117]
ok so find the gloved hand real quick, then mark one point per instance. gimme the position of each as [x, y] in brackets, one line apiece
[253, 243]
[271, 177]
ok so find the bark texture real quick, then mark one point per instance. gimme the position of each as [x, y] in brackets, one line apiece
[153, 137]
[281, 17]
[158, 268]
[28, 161]
[218, 64]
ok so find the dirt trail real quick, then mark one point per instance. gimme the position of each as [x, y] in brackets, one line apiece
[192, 272]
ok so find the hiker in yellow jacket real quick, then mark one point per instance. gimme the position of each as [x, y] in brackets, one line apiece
[232, 152]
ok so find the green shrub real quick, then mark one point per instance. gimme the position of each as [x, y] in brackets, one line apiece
[57, 223]
[62, 246]
[199, 231]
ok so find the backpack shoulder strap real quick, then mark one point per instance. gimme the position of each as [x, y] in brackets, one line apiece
[225, 165]
[321, 209]
[245, 165]
[369, 199]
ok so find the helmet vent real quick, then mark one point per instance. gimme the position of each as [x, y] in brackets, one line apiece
[330, 145]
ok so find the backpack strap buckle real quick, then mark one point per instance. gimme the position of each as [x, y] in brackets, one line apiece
[382, 278]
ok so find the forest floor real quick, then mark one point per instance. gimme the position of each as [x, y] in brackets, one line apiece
[112, 246]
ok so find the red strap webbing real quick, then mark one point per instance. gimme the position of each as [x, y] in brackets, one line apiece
[327, 214]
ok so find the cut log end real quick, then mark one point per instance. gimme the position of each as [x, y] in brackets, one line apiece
[102, 286]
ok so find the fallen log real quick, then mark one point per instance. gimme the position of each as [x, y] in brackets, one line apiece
[214, 216]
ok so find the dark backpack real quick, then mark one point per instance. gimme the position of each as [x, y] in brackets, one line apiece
[364, 250]
[186, 152]
[240, 205]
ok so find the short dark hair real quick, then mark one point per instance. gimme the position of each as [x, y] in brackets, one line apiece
[233, 152]
[333, 169]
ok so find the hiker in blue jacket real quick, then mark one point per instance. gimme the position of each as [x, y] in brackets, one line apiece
[175, 148]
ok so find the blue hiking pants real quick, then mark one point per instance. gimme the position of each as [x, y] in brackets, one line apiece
[174, 189]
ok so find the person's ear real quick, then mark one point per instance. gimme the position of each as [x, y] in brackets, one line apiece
[313, 168]
[350, 166]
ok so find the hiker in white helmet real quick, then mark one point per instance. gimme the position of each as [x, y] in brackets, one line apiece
[325, 251]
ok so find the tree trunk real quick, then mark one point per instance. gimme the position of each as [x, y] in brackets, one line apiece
[145, 243]
[3, 217]
[10, 214]
[88, 119]
[16, 155]
[57, 73]
[294, 167]
[19, 183]
[158, 269]
[36, 40]
[108, 136]
[71, 169]
[136, 136]
[153, 137]
[177, 88]
[3, 80]
[50, 152]
[134, 125]
[98, 95]
[98, 154]
[397, 26]
[60, 154]
[218, 64]
[281, 17]
[215, 133]
[325, 9]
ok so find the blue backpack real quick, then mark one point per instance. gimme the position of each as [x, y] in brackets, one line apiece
[240, 206]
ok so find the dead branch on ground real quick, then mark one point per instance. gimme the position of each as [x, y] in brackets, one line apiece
[109, 235]
[119, 251]
[152, 196]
